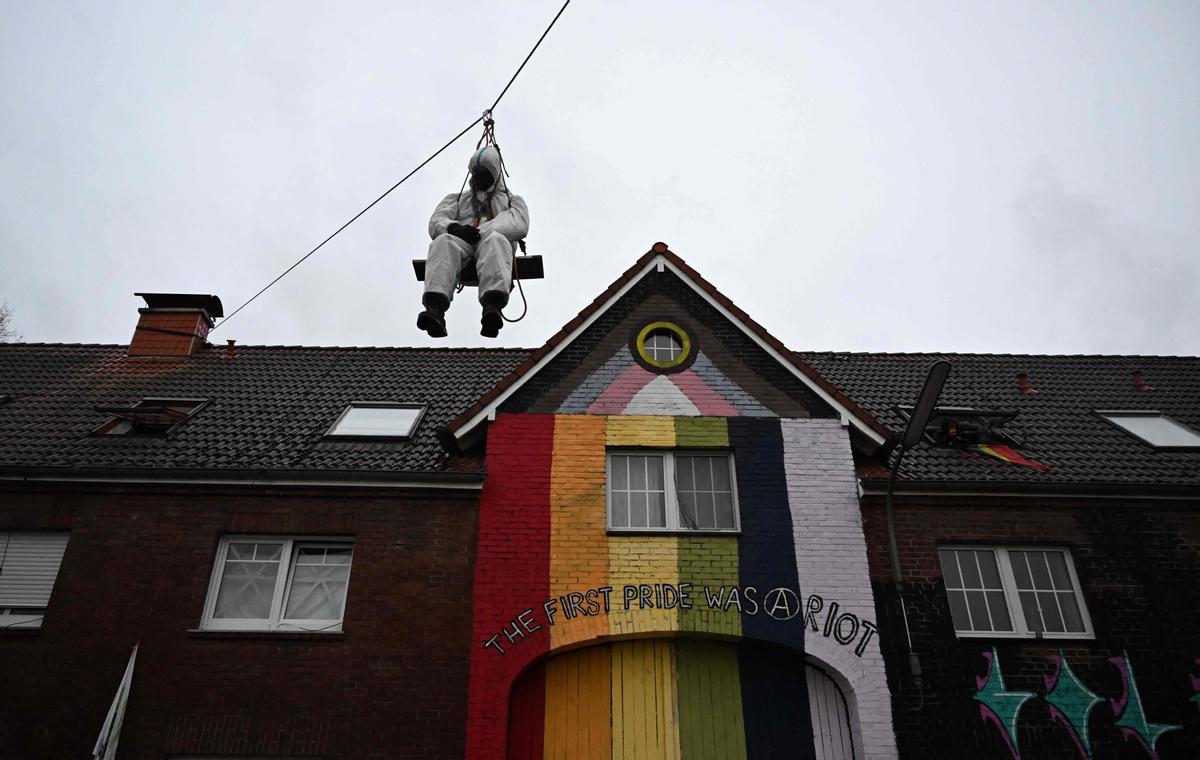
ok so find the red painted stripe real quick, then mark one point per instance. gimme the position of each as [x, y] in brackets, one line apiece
[527, 710]
[512, 571]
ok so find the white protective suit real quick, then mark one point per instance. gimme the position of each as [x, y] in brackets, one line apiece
[502, 219]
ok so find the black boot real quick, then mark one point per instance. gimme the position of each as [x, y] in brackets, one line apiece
[433, 319]
[492, 319]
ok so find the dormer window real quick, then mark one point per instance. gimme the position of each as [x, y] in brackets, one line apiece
[1154, 428]
[149, 417]
[377, 419]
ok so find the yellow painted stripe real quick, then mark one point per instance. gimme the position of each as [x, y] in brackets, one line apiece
[578, 706]
[645, 720]
[702, 432]
[641, 430]
[578, 539]
[710, 701]
[637, 561]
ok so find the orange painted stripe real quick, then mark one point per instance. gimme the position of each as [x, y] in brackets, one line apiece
[578, 536]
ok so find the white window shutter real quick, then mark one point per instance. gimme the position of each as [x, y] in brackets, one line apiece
[29, 567]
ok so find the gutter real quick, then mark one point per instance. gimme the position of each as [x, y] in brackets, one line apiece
[1092, 490]
[456, 481]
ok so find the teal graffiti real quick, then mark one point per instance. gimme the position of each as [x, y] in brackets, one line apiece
[998, 704]
[1071, 703]
[1131, 717]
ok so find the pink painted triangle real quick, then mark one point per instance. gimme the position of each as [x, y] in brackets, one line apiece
[620, 391]
[708, 401]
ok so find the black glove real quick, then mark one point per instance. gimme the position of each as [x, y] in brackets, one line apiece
[464, 232]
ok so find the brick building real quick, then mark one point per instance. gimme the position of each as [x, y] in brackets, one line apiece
[660, 534]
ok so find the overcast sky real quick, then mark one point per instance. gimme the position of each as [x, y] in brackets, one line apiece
[983, 177]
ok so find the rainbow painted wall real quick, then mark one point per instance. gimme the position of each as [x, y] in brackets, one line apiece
[543, 537]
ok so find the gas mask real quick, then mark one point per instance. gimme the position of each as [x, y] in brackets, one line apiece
[482, 180]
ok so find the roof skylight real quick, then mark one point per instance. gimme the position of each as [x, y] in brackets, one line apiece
[1155, 428]
[377, 419]
[150, 416]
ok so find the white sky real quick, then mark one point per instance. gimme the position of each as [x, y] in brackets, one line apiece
[1010, 176]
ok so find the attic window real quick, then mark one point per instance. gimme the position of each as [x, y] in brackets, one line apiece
[663, 347]
[1154, 428]
[150, 416]
[377, 419]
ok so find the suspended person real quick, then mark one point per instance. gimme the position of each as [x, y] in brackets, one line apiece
[483, 225]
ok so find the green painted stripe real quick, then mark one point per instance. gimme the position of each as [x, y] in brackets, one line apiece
[702, 432]
[712, 562]
[710, 702]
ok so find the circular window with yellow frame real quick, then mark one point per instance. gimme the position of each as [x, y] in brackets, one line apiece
[663, 346]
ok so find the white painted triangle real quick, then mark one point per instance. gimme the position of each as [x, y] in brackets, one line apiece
[662, 397]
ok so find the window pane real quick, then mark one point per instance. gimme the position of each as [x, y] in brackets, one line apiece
[319, 582]
[654, 473]
[979, 614]
[950, 568]
[987, 565]
[684, 479]
[1058, 571]
[999, 609]
[637, 510]
[687, 511]
[706, 511]
[1158, 430]
[658, 510]
[970, 571]
[720, 470]
[377, 421]
[248, 585]
[1050, 613]
[1033, 618]
[637, 473]
[958, 611]
[704, 480]
[620, 508]
[1020, 570]
[620, 473]
[724, 503]
[1040, 570]
[1072, 620]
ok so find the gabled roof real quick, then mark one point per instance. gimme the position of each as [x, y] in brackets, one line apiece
[268, 409]
[1057, 426]
[659, 257]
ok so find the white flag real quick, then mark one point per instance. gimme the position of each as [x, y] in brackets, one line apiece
[106, 743]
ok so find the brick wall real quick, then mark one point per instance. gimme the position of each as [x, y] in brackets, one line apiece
[1139, 569]
[393, 685]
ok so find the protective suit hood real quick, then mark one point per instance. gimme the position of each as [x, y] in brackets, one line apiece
[489, 158]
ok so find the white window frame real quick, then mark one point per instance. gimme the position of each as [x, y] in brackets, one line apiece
[669, 487]
[332, 431]
[1008, 582]
[283, 584]
[1107, 416]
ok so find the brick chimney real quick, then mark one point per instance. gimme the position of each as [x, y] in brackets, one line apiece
[173, 324]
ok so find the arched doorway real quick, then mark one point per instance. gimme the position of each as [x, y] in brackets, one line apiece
[677, 699]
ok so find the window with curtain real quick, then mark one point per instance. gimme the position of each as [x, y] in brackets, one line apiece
[671, 491]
